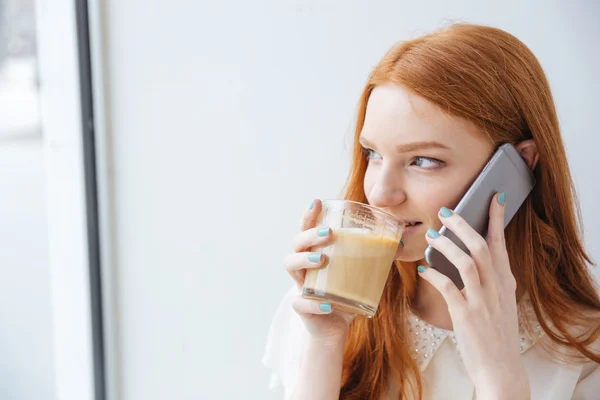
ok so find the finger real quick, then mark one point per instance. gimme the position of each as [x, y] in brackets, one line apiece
[309, 219]
[308, 307]
[296, 264]
[462, 261]
[312, 237]
[476, 244]
[445, 286]
[496, 239]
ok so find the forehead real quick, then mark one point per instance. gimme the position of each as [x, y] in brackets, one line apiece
[394, 112]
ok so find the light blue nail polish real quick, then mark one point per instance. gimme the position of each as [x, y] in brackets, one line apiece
[325, 307]
[432, 233]
[312, 205]
[421, 268]
[446, 212]
[502, 198]
[323, 231]
[314, 257]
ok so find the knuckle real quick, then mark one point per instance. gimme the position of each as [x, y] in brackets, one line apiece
[287, 262]
[296, 301]
[296, 242]
[447, 286]
[467, 265]
[291, 262]
[459, 314]
[298, 304]
[494, 293]
[479, 246]
[303, 222]
[510, 283]
[495, 238]
[481, 310]
[306, 222]
[304, 240]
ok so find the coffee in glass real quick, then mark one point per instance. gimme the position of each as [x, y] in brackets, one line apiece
[358, 260]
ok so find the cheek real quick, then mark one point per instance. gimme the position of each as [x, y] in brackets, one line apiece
[434, 196]
[368, 183]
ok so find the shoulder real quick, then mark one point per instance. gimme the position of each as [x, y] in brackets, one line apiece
[586, 332]
[588, 382]
[557, 359]
[581, 327]
[285, 343]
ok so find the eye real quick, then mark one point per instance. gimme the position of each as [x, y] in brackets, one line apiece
[371, 154]
[427, 162]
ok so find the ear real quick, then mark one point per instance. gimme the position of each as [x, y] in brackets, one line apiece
[529, 152]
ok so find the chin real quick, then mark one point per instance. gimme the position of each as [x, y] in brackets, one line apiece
[413, 252]
[410, 257]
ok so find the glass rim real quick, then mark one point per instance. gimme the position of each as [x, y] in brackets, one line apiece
[379, 211]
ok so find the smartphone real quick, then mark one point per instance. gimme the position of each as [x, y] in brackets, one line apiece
[505, 172]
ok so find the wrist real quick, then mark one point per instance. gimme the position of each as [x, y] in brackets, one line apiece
[329, 342]
[501, 386]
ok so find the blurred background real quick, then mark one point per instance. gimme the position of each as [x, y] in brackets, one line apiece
[205, 130]
[26, 346]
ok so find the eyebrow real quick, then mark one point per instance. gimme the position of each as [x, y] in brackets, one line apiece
[410, 147]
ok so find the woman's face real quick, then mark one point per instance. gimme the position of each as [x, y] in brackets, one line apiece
[420, 159]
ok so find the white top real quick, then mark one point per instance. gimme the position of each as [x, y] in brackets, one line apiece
[436, 352]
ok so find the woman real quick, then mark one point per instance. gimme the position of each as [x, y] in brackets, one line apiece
[526, 325]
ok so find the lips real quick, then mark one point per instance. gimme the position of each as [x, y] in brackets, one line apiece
[412, 226]
[412, 223]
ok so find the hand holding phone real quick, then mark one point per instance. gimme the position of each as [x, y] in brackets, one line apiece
[505, 172]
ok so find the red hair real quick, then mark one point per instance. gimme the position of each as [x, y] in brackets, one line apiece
[490, 78]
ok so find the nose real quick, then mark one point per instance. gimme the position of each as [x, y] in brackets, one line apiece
[388, 190]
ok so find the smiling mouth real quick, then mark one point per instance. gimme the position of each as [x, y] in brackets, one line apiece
[413, 223]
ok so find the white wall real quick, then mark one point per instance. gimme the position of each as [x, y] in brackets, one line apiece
[226, 119]
[26, 354]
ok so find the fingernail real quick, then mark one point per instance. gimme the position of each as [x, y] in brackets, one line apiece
[325, 307]
[314, 257]
[502, 198]
[312, 204]
[421, 268]
[323, 231]
[432, 233]
[402, 243]
[446, 212]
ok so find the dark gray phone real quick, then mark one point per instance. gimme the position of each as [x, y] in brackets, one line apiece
[505, 172]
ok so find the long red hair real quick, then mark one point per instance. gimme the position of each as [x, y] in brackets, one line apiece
[489, 77]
